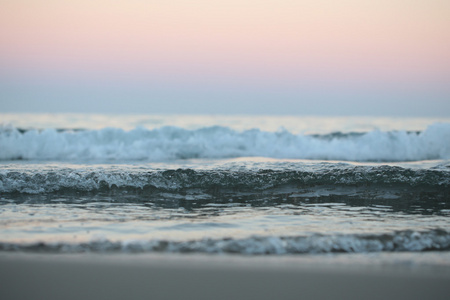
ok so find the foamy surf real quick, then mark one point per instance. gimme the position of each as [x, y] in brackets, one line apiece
[223, 178]
[402, 241]
[174, 143]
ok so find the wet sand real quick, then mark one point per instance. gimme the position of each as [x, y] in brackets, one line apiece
[153, 276]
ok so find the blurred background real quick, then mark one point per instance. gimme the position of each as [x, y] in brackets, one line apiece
[321, 57]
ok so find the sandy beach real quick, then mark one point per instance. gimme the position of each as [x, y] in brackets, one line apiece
[152, 276]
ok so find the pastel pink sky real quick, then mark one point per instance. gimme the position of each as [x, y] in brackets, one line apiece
[283, 44]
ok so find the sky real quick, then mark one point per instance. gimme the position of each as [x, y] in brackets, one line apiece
[313, 57]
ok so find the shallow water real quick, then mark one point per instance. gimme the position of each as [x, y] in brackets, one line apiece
[213, 202]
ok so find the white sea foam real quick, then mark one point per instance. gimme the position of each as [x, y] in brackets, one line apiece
[170, 143]
[405, 241]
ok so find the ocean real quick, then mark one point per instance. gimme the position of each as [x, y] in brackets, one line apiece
[281, 186]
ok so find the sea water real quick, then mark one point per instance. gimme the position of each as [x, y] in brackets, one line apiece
[233, 185]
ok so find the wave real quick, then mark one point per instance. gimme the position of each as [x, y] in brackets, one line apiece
[405, 241]
[173, 143]
[217, 180]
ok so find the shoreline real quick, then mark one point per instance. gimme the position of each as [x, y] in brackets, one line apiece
[192, 276]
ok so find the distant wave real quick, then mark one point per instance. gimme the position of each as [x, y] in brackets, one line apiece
[173, 143]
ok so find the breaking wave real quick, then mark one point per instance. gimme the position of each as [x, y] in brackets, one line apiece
[173, 143]
[234, 179]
